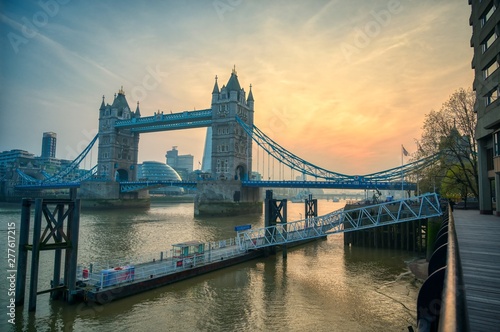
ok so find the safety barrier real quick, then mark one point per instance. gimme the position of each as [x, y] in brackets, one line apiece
[119, 271]
[441, 303]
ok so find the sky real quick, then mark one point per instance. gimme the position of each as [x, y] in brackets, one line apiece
[342, 84]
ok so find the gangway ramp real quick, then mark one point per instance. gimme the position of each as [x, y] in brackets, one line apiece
[340, 221]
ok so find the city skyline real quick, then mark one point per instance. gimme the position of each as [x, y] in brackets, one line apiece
[341, 85]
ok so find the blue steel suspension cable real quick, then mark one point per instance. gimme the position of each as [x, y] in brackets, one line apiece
[296, 163]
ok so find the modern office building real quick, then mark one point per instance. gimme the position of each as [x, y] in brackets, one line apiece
[183, 164]
[49, 141]
[485, 22]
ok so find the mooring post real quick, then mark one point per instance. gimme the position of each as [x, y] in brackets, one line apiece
[22, 259]
[35, 254]
[72, 251]
[274, 212]
[285, 228]
[268, 218]
[58, 253]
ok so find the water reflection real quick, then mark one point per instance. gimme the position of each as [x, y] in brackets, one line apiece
[321, 286]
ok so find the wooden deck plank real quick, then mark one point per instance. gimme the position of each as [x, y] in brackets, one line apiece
[479, 244]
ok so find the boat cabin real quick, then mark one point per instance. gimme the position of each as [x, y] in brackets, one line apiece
[188, 249]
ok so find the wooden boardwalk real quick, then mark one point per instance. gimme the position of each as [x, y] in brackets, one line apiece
[479, 245]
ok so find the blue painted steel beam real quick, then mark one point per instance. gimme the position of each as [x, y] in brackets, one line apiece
[165, 122]
[62, 185]
[331, 185]
[173, 126]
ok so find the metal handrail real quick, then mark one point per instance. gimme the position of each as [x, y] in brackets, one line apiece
[454, 315]
[441, 303]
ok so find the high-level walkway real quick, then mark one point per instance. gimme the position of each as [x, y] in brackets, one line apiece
[479, 244]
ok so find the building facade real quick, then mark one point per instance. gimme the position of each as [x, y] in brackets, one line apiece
[49, 142]
[485, 22]
[183, 164]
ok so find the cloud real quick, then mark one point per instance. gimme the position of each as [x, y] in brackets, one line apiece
[348, 115]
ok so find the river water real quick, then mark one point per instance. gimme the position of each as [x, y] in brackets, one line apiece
[320, 286]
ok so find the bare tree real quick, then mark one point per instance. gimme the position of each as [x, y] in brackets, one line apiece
[450, 132]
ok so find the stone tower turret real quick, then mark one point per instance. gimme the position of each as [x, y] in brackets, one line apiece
[118, 149]
[231, 146]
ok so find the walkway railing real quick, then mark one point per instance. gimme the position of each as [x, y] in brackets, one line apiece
[113, 273]
[441, 304]
[340, 221]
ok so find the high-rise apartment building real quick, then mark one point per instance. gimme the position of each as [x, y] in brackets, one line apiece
[485, 22]
[49, 141]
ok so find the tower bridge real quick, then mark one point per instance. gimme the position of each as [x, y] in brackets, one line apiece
[229, 188]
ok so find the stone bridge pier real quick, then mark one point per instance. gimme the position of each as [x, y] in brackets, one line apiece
[226, 197]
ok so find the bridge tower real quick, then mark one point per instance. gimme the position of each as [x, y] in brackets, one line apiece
[118, 149]
[117, 159]
[231, 154]
[231, 146]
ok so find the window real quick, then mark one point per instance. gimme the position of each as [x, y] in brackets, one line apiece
[223, 130]
[489, 41]
[490, 68]
[492, 96]
[487, 15]
[496, 142]
[222, 166]
[222, 148]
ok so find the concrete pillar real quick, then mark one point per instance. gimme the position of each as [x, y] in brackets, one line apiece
[485, 205]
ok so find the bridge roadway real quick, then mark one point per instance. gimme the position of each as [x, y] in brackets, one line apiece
[479, 246]
[131, 186]
[164, 122]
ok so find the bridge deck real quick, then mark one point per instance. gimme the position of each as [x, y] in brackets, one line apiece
[479, 243]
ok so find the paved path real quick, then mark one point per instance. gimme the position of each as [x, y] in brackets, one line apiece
[479, 245]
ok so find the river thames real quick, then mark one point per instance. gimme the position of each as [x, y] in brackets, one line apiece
[320, 286]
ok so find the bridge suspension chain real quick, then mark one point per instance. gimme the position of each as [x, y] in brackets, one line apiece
[74, 164]
[291, 160]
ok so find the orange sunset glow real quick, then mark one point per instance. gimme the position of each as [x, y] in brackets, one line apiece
[341, 84]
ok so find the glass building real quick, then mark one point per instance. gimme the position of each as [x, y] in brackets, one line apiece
[157, 171]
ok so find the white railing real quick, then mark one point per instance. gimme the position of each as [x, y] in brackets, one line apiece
[116, 272]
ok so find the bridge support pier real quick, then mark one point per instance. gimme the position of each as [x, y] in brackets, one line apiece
[275, 211]
[226, 198]
[54, 237]
[107, 195]
[311, 208]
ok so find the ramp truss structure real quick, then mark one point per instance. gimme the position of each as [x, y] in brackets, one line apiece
[341, 221]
